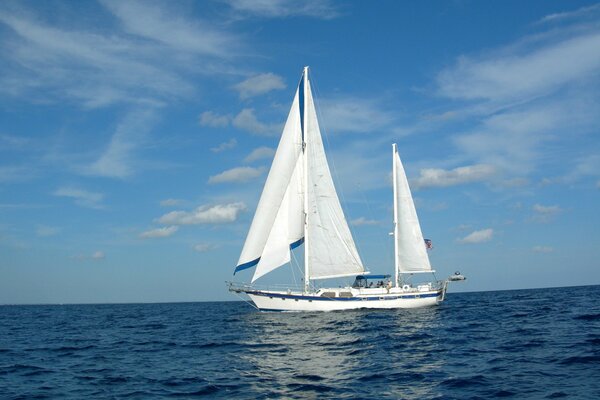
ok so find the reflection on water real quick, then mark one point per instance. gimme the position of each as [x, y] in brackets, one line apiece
[320, 352]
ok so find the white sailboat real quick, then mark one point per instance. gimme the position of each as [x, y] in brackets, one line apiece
[299, 205]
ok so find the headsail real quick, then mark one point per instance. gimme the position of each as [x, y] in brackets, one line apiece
[283, 212]
[278, 221]
[332, 252]
[411, 252]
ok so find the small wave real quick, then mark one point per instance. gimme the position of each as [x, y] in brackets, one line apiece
[205, 391]
[457, 383]
[307, 387]
[308, 377]
[557, 395]
[581, 360]
[588, 317]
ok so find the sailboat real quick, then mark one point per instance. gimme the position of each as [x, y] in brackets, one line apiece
[299, 206]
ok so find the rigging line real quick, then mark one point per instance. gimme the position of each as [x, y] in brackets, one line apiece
[337, 178]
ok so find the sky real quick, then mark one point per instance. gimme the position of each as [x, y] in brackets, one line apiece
[135, 138]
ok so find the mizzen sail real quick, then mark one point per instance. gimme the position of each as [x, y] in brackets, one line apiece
[411, 252]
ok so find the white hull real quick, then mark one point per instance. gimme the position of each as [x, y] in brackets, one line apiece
[266, 300]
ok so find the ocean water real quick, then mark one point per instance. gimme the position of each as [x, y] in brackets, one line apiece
[526, 344]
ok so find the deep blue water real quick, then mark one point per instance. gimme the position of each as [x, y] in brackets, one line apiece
[526, 344]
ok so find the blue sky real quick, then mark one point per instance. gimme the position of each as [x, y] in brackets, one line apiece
[135, 137]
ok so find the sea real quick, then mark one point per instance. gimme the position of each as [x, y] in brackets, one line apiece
[522, 344]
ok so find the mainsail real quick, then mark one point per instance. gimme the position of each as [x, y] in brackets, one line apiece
[332, 252]
[411, 253]
[284, 216]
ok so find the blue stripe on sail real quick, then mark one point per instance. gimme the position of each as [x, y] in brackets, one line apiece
[301, 101]
[247, 265]
[296, 243]
[252, 263]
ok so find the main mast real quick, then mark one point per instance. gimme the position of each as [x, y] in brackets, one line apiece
[302, 100]
[395, 180]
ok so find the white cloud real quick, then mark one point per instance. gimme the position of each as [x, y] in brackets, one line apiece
[544, 214]
[81, 197]
[214, 120]
[170, 202]
[259, 84]
[542, 249]
[260, 153]
[246, 120]
[436, 177]
[218, 214]
[98, 255]
[484, 235]
[159, 232]
[45, 231]
[323, 9]
[230, 144]
[363, 221]
[95, 256]
[239, 174]
[204, 247]
[538, 208]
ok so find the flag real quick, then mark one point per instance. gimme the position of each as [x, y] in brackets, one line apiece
[428, 244]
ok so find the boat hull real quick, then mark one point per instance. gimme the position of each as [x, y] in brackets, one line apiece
[277, 301]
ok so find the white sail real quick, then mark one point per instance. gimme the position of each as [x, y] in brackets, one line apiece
[331, 249]
[288, 228]
[411, 252]
[278, 221]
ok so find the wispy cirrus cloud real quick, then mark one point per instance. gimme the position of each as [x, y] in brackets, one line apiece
[164, 25]
[259, 84]
[523, 71]
[81, 197]
[350, 114]
[523, 98]
[145, 59]
[584, 12]
[322, 9]
[238, 174]
[217, 214]
[118, 159]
